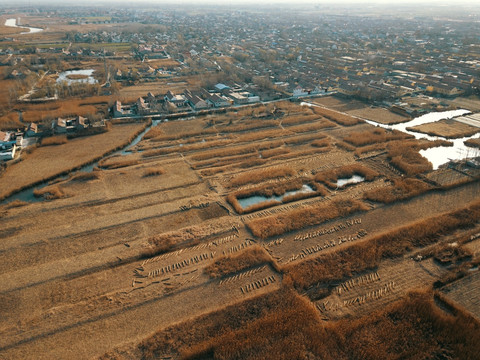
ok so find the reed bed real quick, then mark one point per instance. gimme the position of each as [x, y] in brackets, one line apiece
[401, 189]
[231, 264]
[336, 117]
[87, 176]
[257, 176]
[375, 136]
[296, 219]
[236, 150]
[283, 325]
[153, 171]
[330, 177]
[50, 192]
[54, 140]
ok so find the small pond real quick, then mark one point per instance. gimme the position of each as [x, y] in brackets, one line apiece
[257, 199]
[84, 76]
[352, 180]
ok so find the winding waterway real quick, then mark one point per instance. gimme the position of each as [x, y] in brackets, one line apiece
[441, 154]
[13, 23]
[27, 194]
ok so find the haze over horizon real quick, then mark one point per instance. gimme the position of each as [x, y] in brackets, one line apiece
[239, 2]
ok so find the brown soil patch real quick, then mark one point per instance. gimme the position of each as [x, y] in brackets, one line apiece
[379, 115]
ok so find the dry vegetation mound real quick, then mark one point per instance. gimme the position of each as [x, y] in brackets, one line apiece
[153, 171]
[407, 159]
[230, 264]
[87, 176]
[401, 189]
[335, 116]
[50, 192]
[299, 218]
[189, 236]
[281, 325]
[475, 143]
[330, 177]
[116, 163]
[54, 140]
[257, 176]
[374, 136]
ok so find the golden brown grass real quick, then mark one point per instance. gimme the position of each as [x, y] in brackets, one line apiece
[59, 108]
[300, 118]
[374, 136]
[87, 176]
[360, 257]
[274, 152]
[337, 117]
[50, 192]
[321, 143]
[188, 236]
[333, 266]
[54, 140]
[235, 150]
[345, 146]
[153, 171]
[447, 128]
[279, 224]
[302, 139]
[330, 177]
[116, 163]
[153, 133]
[407, 159]
[473, 143]
[230, 264]
[185, 148]
[284, 326]
[257, 176]
[44, 163]
[401, 189]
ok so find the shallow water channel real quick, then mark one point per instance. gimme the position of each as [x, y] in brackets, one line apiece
[27, 194]
[13, 23]
[441, 154]
[258, 199]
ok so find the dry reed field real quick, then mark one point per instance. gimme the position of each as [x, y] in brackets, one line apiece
[448, 128]
[46, 162]
[153, 241]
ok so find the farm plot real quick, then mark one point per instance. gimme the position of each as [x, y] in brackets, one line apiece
[148, 240]
[362, 294]
[465, 293]
[448, 128]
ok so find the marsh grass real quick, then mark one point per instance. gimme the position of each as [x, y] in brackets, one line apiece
[231, 264]
[296, 219]
[330, 177]
[401, 189]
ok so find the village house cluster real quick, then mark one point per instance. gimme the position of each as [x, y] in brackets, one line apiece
[189, 100]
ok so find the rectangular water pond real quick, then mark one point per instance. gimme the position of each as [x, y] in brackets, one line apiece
[258, 199]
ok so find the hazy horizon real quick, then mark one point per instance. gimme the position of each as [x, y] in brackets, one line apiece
[240, 2]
